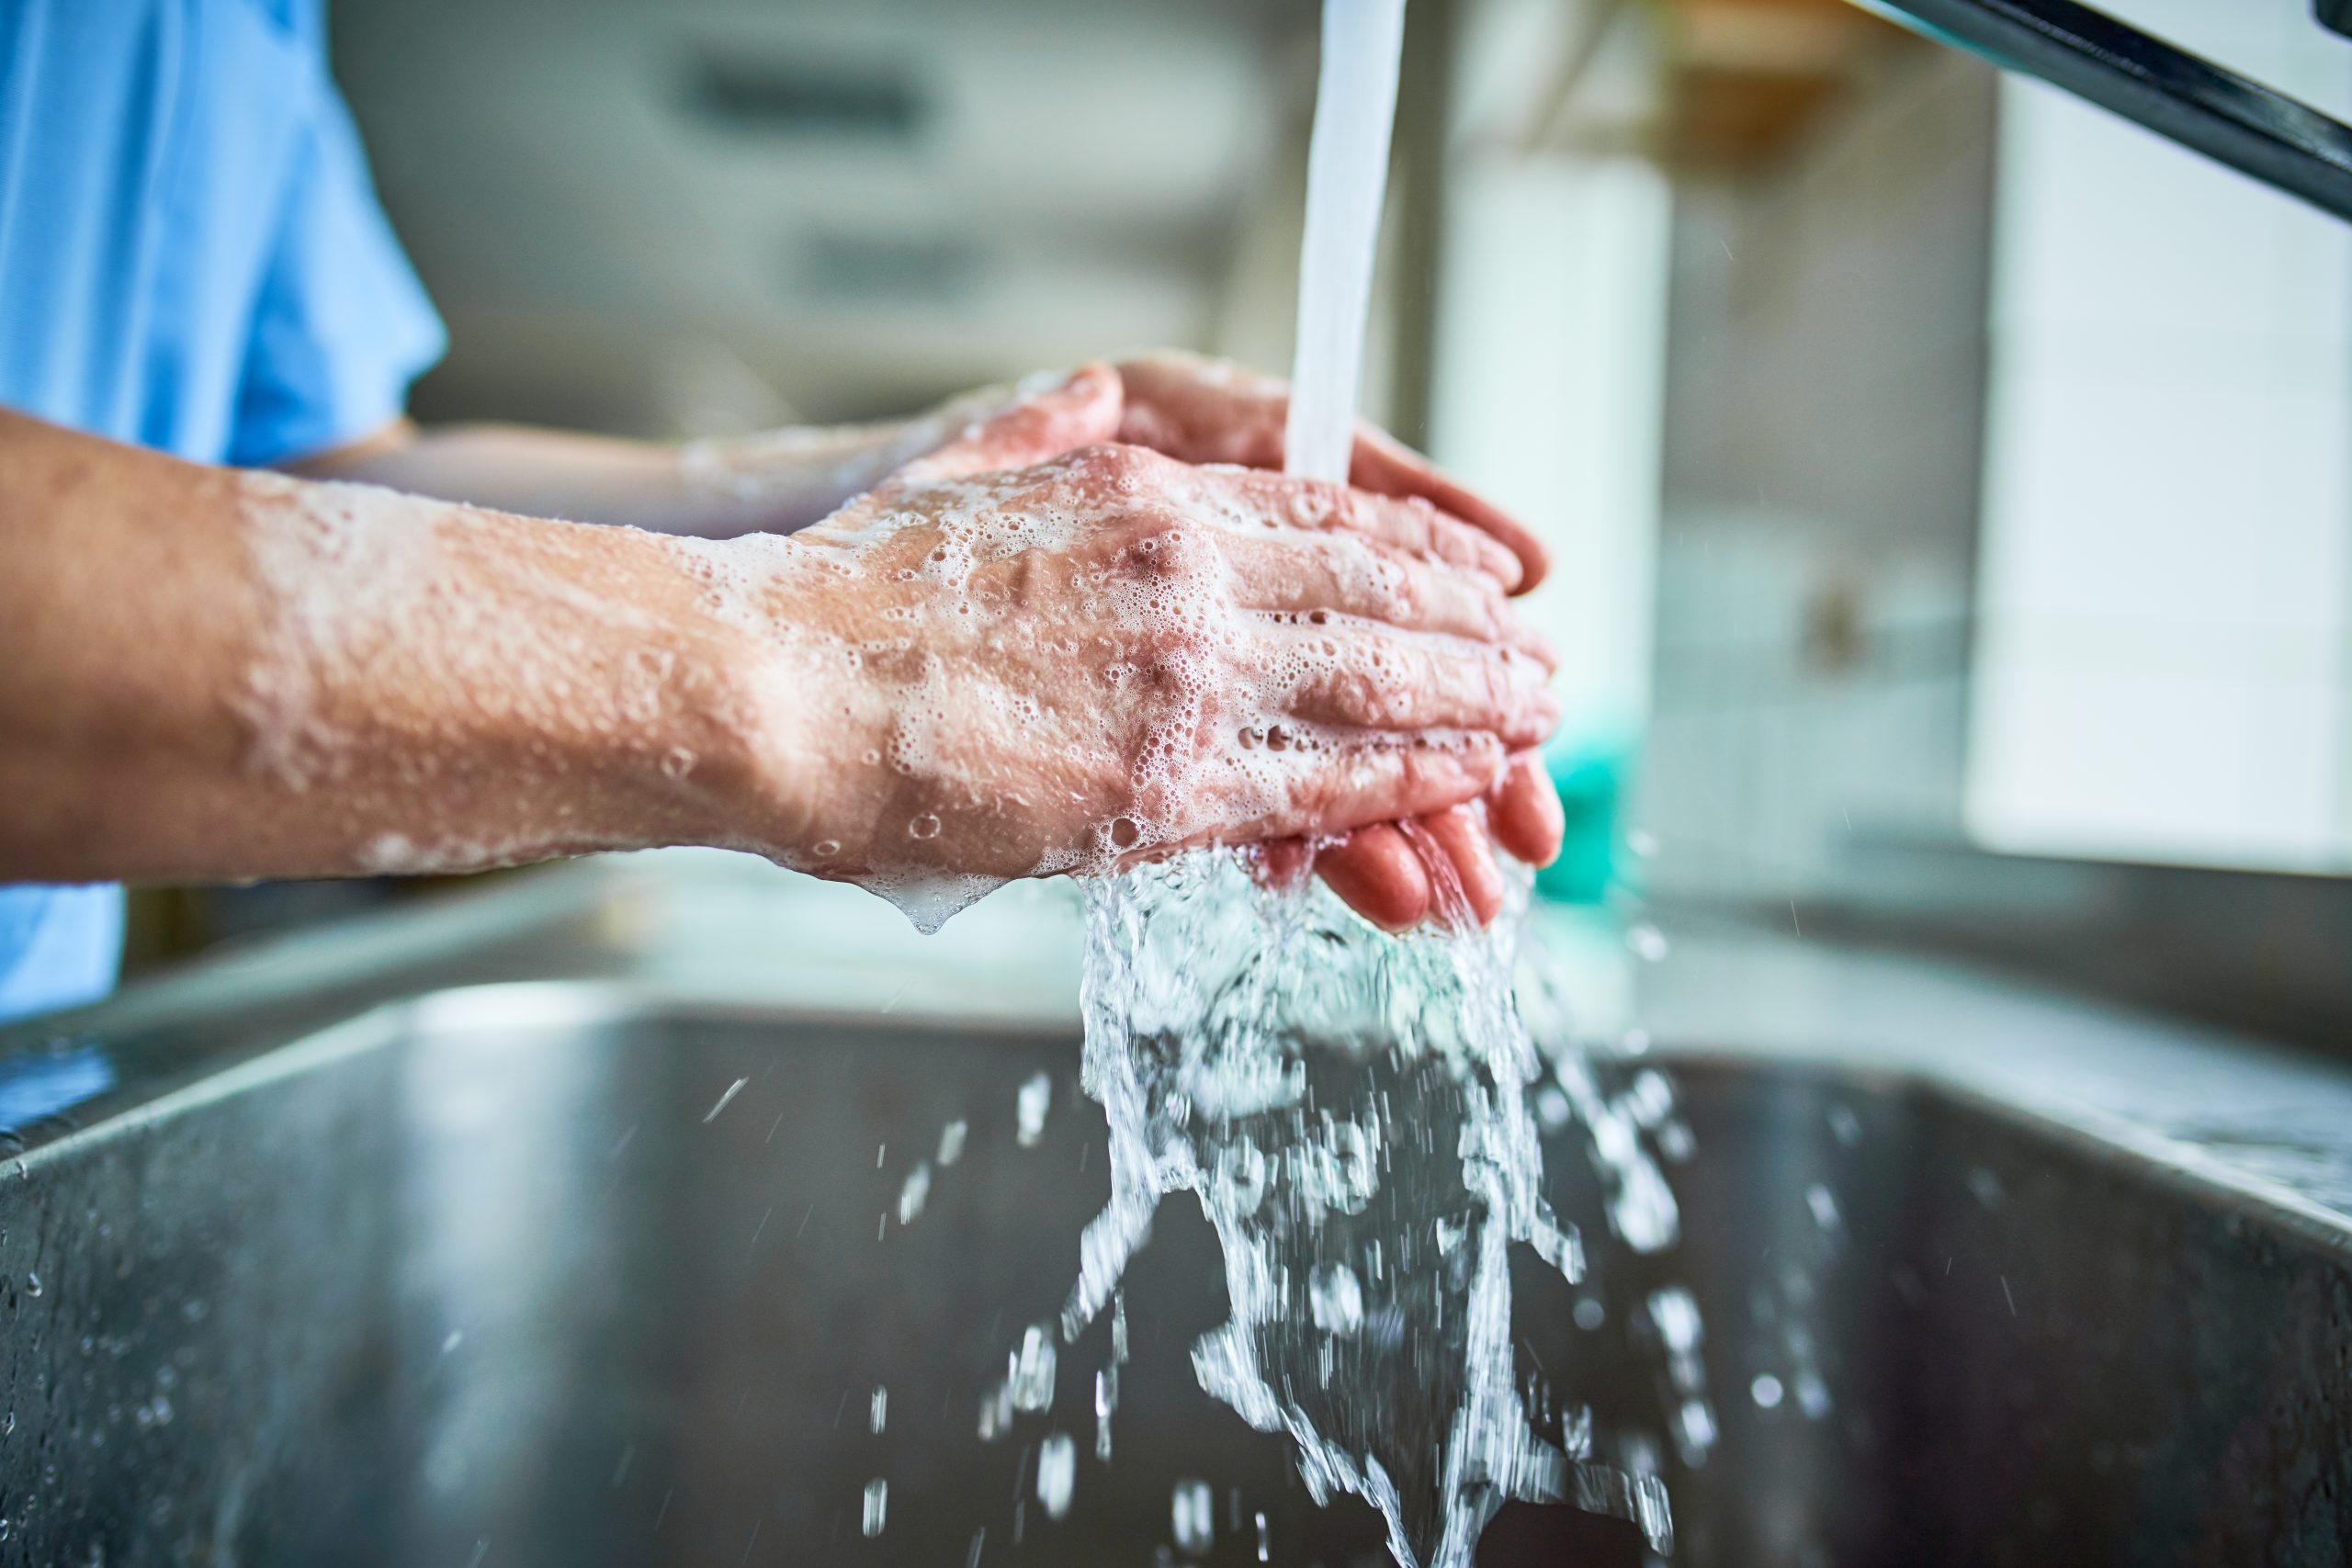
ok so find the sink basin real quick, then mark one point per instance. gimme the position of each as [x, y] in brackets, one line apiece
[584, 1273]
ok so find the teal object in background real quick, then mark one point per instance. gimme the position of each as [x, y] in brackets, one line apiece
[1590, 775]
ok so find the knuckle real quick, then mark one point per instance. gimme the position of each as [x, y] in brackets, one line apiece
[1423, 527]
[1114, 464]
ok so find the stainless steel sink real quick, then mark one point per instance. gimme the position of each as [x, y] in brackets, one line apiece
[477, 1277]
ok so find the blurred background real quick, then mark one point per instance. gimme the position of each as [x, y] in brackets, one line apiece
[1952, 484]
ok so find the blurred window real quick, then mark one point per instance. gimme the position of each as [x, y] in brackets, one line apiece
[2162, 664]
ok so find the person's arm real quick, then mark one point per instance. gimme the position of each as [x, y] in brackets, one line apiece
[1196, 410]
[770, 481]
[220, 674]
[988, 667]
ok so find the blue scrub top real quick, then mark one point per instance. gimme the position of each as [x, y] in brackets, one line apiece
[191, 258]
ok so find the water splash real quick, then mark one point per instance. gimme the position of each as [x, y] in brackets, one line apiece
[1350, 1111]
[1057, 1473]
[1192, 1518]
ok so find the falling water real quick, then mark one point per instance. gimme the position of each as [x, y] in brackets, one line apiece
[1348, 1108]
[1347, 175]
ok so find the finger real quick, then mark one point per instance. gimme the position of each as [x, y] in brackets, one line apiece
[1082, 410]
[1463, 877]
[1341, 785]
[1523, 812]
[1282, 863]
[1409, 524]
[1316, 574]
[1387, 467]
[1376, 873]
[1206, 411]
[1364, 676]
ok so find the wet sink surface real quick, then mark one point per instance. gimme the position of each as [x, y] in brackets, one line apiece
[481, 1280]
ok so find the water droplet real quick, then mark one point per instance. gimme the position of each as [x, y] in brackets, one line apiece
[878, 1411]
[996, 1413]
[1029, 1377]
[877, 1506]
[1766, 1392]
[724, 1100]
[1648, 944]
[32, 1284]
[911, 1196]
[1106, 1401]
[1036, 1099]
[1337, 1298]
[1651, 1098]
[1694, 1430]
[925, 826]
[825, 849]
[1823, 1205]
[1676, 1315]
[1240, 1178]
[1591, 1314]
[1057, 1473]
[951, 1142]
[1675, 1141]
[1192, 1517]
[1265, 1539]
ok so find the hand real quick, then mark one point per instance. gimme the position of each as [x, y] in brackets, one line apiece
[1396, 875]
[1209, 411]
[1035, 651]
[1205, 410]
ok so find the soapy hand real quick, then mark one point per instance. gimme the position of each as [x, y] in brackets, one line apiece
[1038, 649]
[1211, 410]
[1206, 411]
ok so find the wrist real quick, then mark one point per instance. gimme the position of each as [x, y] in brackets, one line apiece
[789, 739]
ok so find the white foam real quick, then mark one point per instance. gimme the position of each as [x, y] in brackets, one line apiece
[1049, 671]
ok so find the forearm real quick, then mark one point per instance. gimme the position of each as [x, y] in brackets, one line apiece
[773, 482]
[213, 674]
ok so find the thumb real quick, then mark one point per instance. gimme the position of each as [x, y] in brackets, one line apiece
[1081, 409]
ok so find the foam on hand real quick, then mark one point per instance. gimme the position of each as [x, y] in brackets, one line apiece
[396, 635]
[1048, 670]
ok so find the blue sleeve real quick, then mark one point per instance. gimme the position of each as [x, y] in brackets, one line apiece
[341, 326]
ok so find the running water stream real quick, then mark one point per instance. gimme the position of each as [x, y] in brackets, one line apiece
[1348, 1108]
[1347, 178]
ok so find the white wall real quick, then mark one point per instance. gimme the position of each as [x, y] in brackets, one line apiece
[2166, 587]
[1548, 394]
[1825, 388]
